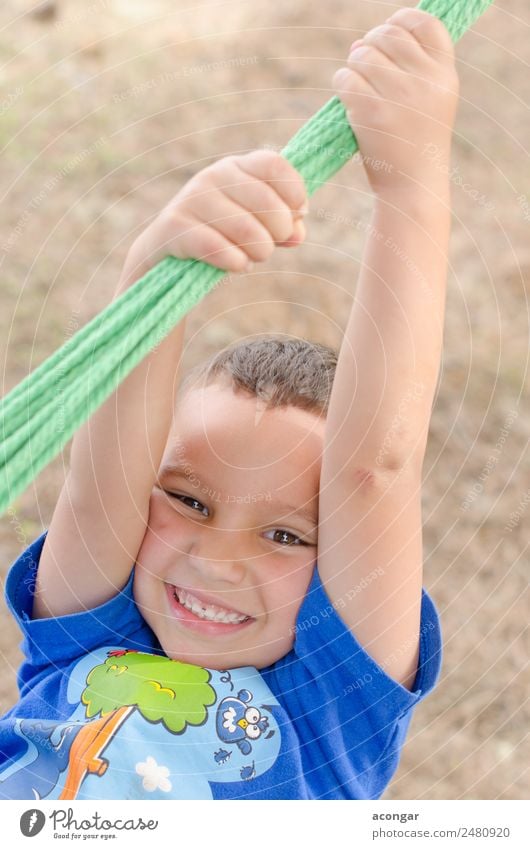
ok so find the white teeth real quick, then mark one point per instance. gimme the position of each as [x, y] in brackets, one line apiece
[210, 611]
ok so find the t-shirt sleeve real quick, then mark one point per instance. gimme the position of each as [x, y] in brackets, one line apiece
[348, 711]
[55, 642]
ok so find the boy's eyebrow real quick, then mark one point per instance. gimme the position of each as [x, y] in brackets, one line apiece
[305, 513]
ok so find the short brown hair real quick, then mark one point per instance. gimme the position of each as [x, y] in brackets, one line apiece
[278, 369]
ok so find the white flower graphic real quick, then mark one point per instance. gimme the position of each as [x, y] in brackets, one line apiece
[154, 777]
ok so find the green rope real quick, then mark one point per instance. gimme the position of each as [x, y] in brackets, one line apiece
[39, 416]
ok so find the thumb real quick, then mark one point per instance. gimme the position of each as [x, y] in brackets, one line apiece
[297, 237]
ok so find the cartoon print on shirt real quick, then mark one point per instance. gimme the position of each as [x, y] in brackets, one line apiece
[116, 692]
[239, 722]
[248, 772]
[222, 757]
[155, 776]
[163, 690]
[53, 741]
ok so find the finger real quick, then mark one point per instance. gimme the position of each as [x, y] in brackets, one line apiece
[235, 223]
[349, 83]
[397, 44]
[204, 242]
[432, 35]
[376, 68]
[256, 196]
[357, 95]
[297, 236]
[275, 170]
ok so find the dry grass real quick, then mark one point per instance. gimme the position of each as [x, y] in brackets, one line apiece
[234, 77]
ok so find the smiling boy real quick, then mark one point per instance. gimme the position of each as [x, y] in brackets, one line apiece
[272, 512]
[224, 555]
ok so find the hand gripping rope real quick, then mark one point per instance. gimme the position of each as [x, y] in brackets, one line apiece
[38, 417]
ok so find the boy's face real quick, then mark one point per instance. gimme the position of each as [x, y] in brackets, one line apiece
[225, 534]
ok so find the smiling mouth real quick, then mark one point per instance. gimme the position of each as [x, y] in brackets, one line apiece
[208, 612]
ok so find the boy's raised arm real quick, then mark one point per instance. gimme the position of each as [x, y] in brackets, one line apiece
[101, 515]
[230, 213]
[401, 92]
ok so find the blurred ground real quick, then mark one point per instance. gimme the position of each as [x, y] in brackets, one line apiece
[107, 108]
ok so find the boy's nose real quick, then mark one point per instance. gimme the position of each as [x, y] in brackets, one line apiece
[214, 569]
[218, 558]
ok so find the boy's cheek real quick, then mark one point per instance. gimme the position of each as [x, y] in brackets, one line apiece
[164, 520]
[139, 588]
[297, 592]
[159, 509]
[289, 615]
[156, 551]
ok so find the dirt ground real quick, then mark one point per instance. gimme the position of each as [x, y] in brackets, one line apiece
[108, 107]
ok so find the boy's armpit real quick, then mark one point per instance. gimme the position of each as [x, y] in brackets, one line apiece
[369, 521]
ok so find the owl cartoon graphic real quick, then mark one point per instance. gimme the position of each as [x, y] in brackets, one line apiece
[239, 722]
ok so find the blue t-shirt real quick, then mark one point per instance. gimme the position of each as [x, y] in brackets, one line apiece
[104, 714]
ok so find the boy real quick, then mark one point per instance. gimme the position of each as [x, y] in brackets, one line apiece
[144, 682]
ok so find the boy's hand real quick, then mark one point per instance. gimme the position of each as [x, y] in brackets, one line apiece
[230, 214]
[400, 91]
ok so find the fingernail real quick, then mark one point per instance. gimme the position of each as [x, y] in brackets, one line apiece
[355, 43]
[341, 77]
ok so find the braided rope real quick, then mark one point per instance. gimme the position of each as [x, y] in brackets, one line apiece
[38, 417]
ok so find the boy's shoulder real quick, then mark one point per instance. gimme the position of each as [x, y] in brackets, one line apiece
[57, 641]
[325, 645]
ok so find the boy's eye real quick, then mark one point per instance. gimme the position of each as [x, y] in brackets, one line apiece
[283, 537]
[287, 538]
[190, 502]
